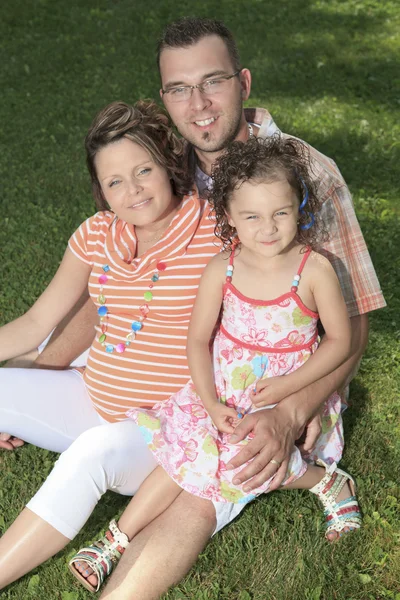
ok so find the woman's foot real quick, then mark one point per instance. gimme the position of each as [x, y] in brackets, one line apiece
[336, 491]
[93, 564]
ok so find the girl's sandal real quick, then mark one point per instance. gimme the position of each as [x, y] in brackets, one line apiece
[102, 556]
[338, 515]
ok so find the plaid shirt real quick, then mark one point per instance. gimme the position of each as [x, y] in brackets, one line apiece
[346, 248]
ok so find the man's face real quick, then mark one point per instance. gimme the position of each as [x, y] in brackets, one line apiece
[209, 122]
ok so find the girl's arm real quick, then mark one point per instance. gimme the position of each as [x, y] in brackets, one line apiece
[202, 324]
[337, 339]
[65, 289]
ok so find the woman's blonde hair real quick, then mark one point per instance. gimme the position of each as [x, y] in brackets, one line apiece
[148, 126]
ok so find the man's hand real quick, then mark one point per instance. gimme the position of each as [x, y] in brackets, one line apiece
[224, 418]
[9, 442]
[274, 432]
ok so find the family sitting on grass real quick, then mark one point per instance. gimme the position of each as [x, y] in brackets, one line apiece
[204, 273]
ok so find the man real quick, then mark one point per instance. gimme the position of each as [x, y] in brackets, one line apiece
[203, 89]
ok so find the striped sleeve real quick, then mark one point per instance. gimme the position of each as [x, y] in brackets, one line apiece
[92, 232]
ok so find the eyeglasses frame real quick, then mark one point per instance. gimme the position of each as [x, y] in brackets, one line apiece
[199, 85]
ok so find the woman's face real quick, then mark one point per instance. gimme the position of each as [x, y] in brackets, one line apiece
[134, 186]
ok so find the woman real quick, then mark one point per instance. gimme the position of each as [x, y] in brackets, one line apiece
[142, 255]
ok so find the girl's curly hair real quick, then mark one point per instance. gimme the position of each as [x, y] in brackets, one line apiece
[148, 126]
[266, 160]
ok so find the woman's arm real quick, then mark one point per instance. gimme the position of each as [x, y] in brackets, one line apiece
[202, 324]
[65, 289]
[337, 339]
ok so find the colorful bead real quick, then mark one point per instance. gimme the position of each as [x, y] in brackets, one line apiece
[161, 266]
[229, 279]
[144, 309]
[102, 338]
[151, 286]
[120, 348]
[293, 288]
[102, 311]
[295, 283]
[101, 299]
[136, 326]
[110, 348]
[105, 268]
[155, 277]
[148, 296]
[229, 268]
[296, 277]
[130, 337]
[103, 279]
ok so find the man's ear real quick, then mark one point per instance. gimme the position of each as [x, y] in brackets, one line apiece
[245, 83]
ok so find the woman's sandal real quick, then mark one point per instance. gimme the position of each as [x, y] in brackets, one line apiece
[338, 515]
[101, 557]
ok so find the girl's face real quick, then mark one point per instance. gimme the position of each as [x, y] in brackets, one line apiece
[265, 216]
[134, 186]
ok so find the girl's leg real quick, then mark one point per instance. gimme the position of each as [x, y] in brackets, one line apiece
[112, 456]
[154, 496]
[47, 408]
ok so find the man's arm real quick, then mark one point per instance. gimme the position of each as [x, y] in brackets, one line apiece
[276, 430]
[71, 337]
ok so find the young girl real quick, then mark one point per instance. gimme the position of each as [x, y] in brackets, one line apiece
[272, 288]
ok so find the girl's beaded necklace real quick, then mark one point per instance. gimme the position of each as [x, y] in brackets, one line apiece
[137, 325]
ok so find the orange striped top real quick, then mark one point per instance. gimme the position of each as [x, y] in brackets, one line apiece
[154, 366]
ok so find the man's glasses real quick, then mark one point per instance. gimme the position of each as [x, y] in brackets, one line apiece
[209, 87]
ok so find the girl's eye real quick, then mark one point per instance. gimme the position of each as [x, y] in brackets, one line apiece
[252, 217]
[280, 213]
[113, 183]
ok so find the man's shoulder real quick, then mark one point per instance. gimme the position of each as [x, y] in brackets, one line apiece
[323, 169]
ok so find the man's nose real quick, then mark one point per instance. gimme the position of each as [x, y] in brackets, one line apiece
[199, 100]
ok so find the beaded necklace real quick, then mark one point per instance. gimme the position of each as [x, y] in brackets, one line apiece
[137, 325]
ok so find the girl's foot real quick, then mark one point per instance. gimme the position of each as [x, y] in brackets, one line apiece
[336, 490]
[93, 564]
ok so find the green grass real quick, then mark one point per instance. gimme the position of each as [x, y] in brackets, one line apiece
[329, 73]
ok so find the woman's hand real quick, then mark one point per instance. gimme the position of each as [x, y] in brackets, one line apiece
[224, 418]
[9, 442]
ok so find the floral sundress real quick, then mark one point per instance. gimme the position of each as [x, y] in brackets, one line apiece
[256, 339]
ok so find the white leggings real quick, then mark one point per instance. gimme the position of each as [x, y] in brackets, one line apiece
[52, 410]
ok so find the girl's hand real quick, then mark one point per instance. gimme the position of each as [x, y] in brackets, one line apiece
[270, 390]
[224, 418]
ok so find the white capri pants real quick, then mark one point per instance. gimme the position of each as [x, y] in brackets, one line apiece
[52, 410]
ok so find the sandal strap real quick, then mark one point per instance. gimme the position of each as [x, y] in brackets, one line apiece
[104, 554]
[338, 515]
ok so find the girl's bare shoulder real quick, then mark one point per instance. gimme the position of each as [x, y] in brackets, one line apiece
[319, 266]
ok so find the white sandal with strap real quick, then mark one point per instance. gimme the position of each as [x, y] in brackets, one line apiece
[338, 515]
[101, 557]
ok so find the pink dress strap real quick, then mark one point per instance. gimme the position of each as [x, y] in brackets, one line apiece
[297, 277]
[229, 268]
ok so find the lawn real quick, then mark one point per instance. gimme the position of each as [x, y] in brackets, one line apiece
[329, 72]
